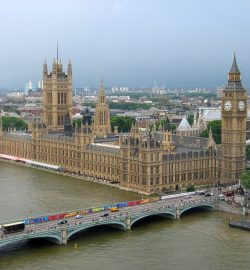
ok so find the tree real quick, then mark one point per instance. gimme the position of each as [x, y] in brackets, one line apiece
[77, 121]
[13, 122]
[190, 188]
[129, 106]
[248, 152]
[245, 180]
[216, 130]
[124, 123]
[173, 128]
[190, 119]
[162, 122]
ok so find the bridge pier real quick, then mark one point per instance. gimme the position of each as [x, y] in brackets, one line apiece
[64, 236]
[177, 213]
[128, 223]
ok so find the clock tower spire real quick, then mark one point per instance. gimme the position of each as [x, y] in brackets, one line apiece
[233, 131]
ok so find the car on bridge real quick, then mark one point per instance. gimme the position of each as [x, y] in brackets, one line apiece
[61, 222]
[105, 215]
[114, 209]
[78, 216]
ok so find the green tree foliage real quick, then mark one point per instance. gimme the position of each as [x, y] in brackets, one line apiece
[190, 119]
[90, 104]
[173, 127]
[163, 122]
[124, 123]
[163, 102]
[245, 180]
[190, 188]
[11, 122]
[204, 95]
[127, 106]
[248, 152]
[77, 121]
[216, 130]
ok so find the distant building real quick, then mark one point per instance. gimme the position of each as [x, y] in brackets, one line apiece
[219, 91]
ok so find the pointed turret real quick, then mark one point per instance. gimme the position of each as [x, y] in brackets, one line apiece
[211, 142]
[195, 121]
[54, 67]
[45, 68]
[69, 71]
[59, 66]
[234, 68]
[101, 96]
[234, 73]
[210, 134]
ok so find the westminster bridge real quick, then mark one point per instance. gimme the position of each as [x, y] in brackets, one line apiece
[59, 228]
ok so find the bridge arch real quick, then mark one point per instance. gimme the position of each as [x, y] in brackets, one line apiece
[115, 224]
[202, 206]
[51, 238]
[145, 215]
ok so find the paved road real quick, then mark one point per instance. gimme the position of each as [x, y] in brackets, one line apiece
[123, 212]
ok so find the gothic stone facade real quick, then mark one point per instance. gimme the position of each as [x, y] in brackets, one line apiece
[148, 162]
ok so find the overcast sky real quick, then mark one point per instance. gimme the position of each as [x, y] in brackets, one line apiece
[183, 43]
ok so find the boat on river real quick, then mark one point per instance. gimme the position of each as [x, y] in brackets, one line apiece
[240, 224]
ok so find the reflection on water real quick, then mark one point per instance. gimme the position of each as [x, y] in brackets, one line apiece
[199, 240]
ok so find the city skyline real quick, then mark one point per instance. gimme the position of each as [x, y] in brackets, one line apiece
[132, 43]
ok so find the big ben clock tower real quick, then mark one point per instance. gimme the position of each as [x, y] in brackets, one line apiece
[233, 132]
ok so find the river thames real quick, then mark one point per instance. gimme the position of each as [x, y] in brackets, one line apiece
[199, 240]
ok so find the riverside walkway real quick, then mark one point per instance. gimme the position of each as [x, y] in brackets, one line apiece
[59, 228]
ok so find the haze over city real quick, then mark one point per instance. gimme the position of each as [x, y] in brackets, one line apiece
[132, 42]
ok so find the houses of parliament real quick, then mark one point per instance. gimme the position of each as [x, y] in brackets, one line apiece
[146, 161]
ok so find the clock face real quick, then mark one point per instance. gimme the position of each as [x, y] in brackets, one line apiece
[241, 105]
[228, 105]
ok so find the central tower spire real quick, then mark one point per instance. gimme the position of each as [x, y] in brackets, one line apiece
[102, 116]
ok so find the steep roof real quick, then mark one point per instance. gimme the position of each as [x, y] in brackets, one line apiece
[234, 68]
[211, 115]
[184, 125]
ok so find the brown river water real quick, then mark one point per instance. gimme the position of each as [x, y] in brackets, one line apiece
[199, 240]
